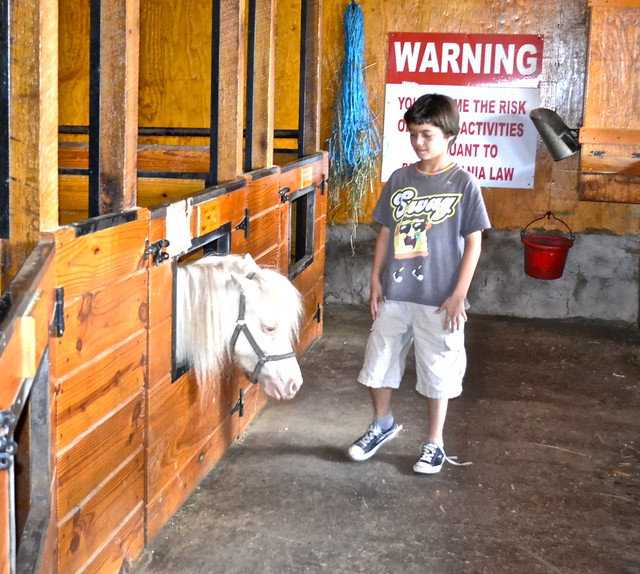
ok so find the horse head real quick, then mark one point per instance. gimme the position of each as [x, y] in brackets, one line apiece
[262, 342]
[244, 312]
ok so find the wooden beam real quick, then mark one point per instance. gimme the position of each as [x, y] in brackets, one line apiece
[33, 125]
[113, 133]
[311, 45]
[227, 90]
[261, 86]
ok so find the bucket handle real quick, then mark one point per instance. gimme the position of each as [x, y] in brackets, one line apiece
[549, 215]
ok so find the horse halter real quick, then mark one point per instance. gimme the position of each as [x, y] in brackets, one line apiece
[241, 327]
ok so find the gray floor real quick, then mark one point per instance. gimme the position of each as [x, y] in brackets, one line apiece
[549, 418]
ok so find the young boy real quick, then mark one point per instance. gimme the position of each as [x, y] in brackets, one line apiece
[432, 215]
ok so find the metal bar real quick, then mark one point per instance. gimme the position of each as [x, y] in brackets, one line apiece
[303, 74]
[212, 179]
[5, 90]
[176, 132]
[95, 56]
[250, 95]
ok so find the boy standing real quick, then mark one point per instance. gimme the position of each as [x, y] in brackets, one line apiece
[432, 215]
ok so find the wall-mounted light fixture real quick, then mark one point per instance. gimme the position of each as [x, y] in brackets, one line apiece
[561, 141]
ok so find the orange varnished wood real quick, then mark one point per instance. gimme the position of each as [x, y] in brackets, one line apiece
[120, 502]
[160, 351]
[123, 549]
[102, 319]
[87, 262]
[96, 454]
[182, 415]
[88, 393]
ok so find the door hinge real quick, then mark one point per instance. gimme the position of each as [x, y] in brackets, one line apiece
[155, 250]
[8, 447]
[57, 324]
[244, 224]
[318, 314]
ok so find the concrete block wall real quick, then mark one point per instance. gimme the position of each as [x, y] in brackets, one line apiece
[601, 278]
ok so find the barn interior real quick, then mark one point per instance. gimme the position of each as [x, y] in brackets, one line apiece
[139, 135]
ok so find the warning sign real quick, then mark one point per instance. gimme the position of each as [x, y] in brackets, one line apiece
[495, 81]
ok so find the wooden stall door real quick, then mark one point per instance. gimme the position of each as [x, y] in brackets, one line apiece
[99, 366]
[27, 525]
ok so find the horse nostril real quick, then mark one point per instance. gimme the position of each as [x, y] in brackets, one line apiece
[294, 388]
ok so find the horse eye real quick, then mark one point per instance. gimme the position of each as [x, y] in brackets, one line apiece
[268, 328]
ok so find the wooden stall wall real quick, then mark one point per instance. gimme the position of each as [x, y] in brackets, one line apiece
[565, 26]
[99, 367]
[130, 438]
[190, 425]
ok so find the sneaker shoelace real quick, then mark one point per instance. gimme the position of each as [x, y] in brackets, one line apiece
[371, 434]
[429, 451]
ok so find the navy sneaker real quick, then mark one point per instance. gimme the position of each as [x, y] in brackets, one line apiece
[367, 445]
[432, 458]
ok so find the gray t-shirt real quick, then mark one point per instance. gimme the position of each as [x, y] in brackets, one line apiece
[428, 216]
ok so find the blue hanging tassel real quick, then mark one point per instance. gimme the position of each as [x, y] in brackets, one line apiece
[355, 143]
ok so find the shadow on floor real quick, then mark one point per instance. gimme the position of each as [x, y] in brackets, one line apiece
[550, 418]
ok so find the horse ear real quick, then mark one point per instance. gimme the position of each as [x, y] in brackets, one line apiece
[250, 261]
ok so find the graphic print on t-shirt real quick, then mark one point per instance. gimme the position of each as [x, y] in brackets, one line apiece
[415, 216]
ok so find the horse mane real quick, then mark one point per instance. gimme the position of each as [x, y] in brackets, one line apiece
[207, 304]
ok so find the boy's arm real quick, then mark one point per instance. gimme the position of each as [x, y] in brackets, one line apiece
[379, 259]
[455, 313]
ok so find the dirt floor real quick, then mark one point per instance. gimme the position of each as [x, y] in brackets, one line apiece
[550, 418]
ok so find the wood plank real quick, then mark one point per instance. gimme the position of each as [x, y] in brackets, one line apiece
[610, 188]
[263, 80]
[92, 459]
[116, 108]
[163, 503]
[33, 125]
[124, 548]
[312, 39]
[160, 352]
[612, 136]
[90, 393]
[84, 531]
[182, 417]
[230, 90]
[264, 232]
[262, 193]
[88, 262]
[100, 320]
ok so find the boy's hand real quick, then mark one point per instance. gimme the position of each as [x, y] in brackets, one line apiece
[455, 315]
[376, 298]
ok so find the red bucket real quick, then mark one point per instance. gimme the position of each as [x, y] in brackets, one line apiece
[545, 255]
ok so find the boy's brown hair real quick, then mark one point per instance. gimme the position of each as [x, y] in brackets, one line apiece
[435, 109]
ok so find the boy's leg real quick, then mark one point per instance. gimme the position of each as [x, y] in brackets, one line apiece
[437, 411]
[381, 400]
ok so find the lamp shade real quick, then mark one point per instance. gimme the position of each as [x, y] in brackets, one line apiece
[560, 140]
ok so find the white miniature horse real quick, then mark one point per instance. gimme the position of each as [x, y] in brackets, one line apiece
[230, 308]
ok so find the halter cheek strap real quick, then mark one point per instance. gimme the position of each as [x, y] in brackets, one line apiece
[241, 327]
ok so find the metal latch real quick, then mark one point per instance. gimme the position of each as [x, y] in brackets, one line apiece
[155, 250]
[318, 314]
[322, 185]
[239, 406]
[8, 447]
[284, 194]
[57, 325]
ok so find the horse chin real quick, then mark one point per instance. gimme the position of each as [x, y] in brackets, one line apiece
[278, 391]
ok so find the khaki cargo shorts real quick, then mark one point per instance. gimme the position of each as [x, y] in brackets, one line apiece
[440, 355]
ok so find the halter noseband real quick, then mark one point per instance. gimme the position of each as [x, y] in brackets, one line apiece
[241, 327]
